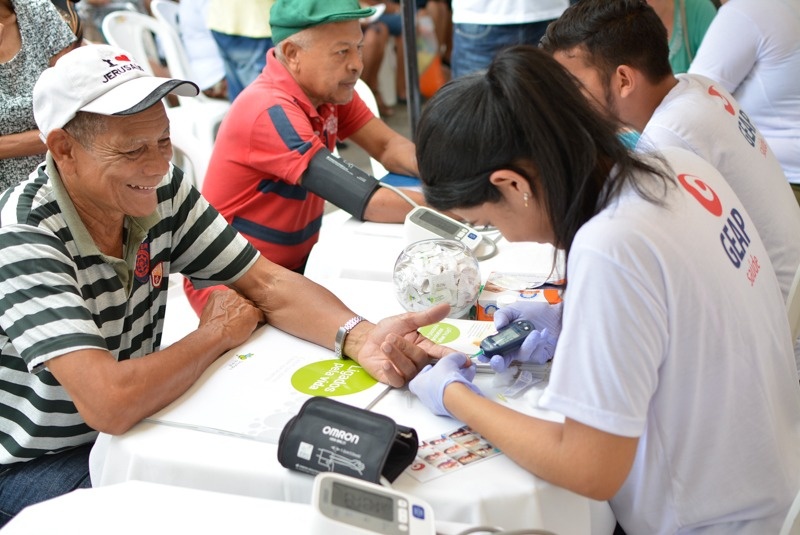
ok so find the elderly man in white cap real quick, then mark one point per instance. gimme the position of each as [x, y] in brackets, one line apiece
[86, 248]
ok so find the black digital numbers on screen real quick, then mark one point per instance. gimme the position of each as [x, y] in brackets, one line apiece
[362, 501]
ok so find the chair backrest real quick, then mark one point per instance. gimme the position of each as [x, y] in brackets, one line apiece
[188, 148]
[131, 31]
[793, 305]
[137, 33]
[166, 11]
[366, 94]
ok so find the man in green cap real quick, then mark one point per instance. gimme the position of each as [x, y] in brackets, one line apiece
[272, 169]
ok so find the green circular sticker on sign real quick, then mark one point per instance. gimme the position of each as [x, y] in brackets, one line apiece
[440, 333]
[335, 377]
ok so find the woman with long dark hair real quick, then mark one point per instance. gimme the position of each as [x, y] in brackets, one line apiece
[674, 367]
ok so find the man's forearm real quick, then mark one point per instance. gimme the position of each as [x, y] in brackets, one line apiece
[386, 206]
[400, 157]
[294, 303]
[21, 144]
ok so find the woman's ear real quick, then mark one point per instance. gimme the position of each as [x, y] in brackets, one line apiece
[510, 182]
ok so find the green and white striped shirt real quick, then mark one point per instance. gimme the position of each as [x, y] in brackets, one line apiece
[59, 294]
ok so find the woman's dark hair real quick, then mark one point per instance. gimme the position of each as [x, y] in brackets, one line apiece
[66, 9]
[613, 33]
[525, 114]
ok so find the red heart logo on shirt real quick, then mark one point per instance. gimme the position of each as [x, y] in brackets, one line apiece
[122, 57]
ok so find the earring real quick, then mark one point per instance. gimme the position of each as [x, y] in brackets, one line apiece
[525, 199]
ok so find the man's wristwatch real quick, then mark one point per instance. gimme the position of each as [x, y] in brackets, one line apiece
[341, 335]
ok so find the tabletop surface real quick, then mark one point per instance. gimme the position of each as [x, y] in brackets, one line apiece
[493, 491]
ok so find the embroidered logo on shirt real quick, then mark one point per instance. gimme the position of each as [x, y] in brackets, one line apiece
[157, 275]
[142, 269]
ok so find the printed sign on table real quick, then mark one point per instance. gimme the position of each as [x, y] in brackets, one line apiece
[254, 390]
[449, 452]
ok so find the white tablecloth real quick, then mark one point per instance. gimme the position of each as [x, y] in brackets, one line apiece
[367, 251]
[136, 507]
[354, 265]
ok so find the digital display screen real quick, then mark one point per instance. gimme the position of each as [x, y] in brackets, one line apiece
[435, 221]
[362, 501]
[504, 336]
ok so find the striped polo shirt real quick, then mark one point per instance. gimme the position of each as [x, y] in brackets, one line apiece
[59, 293]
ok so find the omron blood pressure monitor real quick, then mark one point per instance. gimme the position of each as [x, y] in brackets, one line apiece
[344, 505]
[422, 223]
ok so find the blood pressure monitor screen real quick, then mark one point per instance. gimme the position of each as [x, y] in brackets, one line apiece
[364, 502]
[439, 222]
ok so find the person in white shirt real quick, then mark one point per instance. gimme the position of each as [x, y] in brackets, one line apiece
[672, 411]
[636, 87]
[482, 27]
[752, 48]
[205, 60]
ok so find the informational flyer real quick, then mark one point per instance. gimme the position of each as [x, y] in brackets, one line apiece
[449, 452]
[460, 335]
[254, 390]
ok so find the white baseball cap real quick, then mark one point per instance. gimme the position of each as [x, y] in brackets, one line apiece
[98, 79]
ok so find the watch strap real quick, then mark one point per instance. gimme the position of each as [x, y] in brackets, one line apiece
[341, 335]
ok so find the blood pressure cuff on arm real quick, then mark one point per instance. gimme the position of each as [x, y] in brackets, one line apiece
[330, 436]
[340, 182]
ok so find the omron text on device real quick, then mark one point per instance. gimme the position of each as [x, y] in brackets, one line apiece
[423, 223]
[344, 505]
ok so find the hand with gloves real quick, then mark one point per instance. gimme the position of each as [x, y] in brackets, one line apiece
[540, 344]
[430, 383]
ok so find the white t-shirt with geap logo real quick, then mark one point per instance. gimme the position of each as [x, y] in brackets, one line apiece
[675, 332]
[701, 116]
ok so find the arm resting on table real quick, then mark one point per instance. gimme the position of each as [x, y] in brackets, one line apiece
[112, 395]
[577, 457]
[391, 351]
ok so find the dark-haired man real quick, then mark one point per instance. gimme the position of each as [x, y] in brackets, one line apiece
[617, 49]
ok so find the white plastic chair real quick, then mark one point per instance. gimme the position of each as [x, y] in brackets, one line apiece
[791, 526]
[135, 33]
[166, 11]
[188, 152]
[363, 90]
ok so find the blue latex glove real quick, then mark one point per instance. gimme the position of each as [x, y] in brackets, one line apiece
[540, 345]
[429, 384]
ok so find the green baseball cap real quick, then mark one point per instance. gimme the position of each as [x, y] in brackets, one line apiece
[287, 17]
